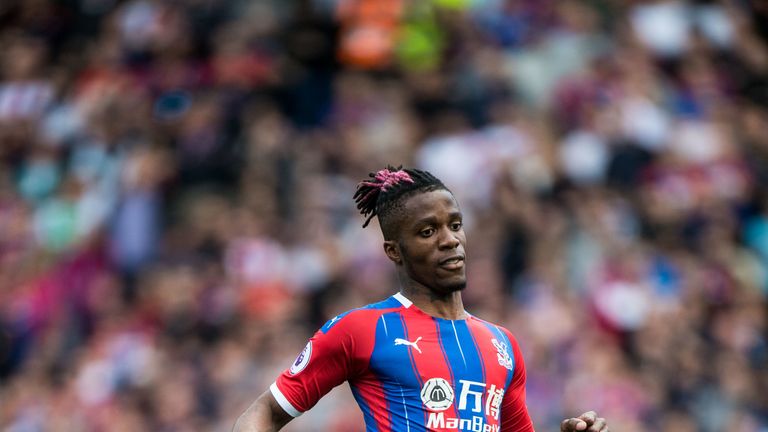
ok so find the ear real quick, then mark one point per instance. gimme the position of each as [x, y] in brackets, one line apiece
[392, 250]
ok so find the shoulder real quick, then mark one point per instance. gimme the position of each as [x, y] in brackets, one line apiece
[502, 339]
[500, 331]
[361, 318]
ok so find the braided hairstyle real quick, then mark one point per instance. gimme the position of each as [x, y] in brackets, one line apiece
[385, 193]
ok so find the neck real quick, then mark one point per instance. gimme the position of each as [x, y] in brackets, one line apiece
[446, 306]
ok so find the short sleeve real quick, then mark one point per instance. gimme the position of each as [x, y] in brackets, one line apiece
[329, 358]
[514, 412]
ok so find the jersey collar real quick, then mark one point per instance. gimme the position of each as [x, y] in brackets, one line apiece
[403, 300]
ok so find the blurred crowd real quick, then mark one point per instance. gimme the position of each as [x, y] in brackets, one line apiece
[176, 214]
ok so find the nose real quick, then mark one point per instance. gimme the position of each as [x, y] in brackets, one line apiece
[448, 239]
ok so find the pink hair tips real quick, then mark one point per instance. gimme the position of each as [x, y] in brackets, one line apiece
[386, 178]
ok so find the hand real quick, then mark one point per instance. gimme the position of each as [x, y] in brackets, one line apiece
[588, 422]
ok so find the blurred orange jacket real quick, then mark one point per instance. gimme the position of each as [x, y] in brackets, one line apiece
[368, 31]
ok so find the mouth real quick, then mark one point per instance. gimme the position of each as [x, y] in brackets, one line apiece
[452, 263]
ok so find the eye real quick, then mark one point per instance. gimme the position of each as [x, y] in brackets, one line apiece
[427, 232]
[456, 226]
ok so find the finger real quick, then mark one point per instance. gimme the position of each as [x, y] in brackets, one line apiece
[600, 425]
[573, 424]
[589, 417]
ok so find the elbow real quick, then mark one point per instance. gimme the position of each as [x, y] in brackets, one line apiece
[264, 415]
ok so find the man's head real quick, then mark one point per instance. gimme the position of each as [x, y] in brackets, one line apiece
[422, 226]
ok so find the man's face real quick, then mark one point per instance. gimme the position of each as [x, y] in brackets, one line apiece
[432, 242]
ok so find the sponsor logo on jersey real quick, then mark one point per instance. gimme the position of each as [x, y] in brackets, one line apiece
[472, 394]
[437, 394]
[482, 401]
[438, 420]
[502, 354]
[302, 360]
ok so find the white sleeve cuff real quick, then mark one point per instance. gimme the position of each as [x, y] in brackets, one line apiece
[283, 402]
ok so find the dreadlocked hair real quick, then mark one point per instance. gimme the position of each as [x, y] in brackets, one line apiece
[387, 188]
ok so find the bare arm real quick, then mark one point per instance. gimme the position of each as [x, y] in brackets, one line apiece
[264, 415]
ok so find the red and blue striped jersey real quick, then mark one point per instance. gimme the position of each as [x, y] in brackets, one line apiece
[410, 371]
